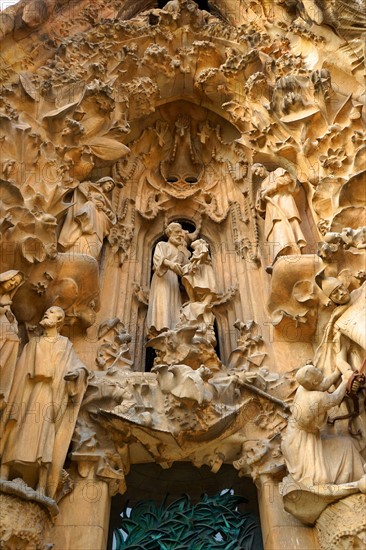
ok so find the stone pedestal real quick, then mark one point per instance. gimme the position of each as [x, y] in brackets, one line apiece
[280, 529]
[343, 524]
[84, 517]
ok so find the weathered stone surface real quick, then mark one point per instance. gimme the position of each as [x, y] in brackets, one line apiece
[343, 524]
[188, 186]
[34, 513]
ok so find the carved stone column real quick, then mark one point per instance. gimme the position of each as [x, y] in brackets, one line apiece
[84, 516]
[280, 529]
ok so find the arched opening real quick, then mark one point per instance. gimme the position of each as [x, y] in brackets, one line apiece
[150, 482]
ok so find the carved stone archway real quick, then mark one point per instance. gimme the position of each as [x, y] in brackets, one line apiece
[247, 120]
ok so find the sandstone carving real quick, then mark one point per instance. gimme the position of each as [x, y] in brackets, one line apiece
[51, 380]
[30, 530]
[89, 220]
[114, 352]
[69, 281]
[165, 299]
[9, 283]
[306, 437]
[198, 275]
[336, 533]
[185, 179]
[343, 345]
[282, 219]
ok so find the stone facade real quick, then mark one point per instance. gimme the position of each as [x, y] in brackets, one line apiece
[183, 272]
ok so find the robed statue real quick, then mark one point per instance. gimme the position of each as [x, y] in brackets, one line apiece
[43, 405]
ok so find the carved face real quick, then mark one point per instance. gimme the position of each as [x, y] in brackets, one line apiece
[108, 186]
[53, 317]
[176, 235]
[102, 356]
[199, 243]
[340, 295]
[11, 284]
[309, 377]
[260, 171]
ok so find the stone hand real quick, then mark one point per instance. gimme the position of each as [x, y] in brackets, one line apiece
[357, 383]
[173, 266]
[177, 269]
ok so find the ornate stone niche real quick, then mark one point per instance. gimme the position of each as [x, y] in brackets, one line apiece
[179, 177]
[187, 178]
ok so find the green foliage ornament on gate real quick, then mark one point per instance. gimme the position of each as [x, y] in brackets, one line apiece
[213, 523]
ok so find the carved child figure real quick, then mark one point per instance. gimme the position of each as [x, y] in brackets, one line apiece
[312, 456]
[198, 275]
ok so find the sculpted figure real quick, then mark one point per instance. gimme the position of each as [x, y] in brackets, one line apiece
[9, 341]
[354, 237]
[312, 457]
[90, 219]
[282, 218]
[41, 418]
[165, 298]
[198, 275]
[343, 348]
[344, 342]
[346, 17]
[259, 172]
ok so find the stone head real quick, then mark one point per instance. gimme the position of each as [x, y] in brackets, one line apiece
[335, 290]
[107, 184]
[54, 317]
[309, 377]
[10, 280]
[259, 171]
[175, 233]
[198, 243]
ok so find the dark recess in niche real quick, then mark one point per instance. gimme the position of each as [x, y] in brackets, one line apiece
[150, 357]
[217, 347]
[202, 4]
